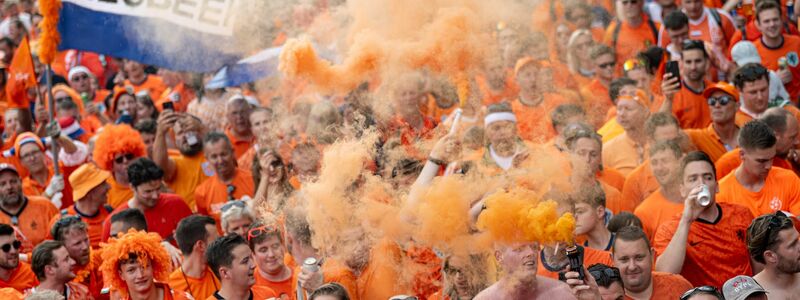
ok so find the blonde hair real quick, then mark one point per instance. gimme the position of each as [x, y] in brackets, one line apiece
[235, 213]
[572, 59]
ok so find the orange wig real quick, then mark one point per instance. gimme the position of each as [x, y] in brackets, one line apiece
[148, 250]
[114, 140]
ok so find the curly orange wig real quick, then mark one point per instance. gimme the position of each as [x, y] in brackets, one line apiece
[114, 140]
[148, 250]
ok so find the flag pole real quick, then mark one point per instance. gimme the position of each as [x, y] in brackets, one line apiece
[48, 47]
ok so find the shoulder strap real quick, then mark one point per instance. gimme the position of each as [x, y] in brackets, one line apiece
[715, 15]
[553, 16]
[615, 34]
[653, 28]
[108, 208]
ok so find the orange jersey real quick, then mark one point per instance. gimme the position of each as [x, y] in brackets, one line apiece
[590, 257]
[93, 222]
[11, 294]
[706, 29]
[90, 276]
[597, 102]
[656, 210]
[246, 160]
[153, 84]
[622, 154]
[32, 221]
[281, 287]
[612, 177]
[639, 184]
[118, 193]
[240, 146]
[21, 279]
[492, 96]
[627, 40]
[197, 288]
[610, 130]
[180, 96]
[778, 193]
[716, 251]
[190, 172]
[691, 108]
[614, 200]
[707, 140]
[788, 49]
[667, 286]
[332, 271]
[212, 194]
[731, 160]
[533, 122]
[381, 278]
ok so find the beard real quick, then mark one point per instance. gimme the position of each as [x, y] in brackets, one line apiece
[9, 264]
[11, 200]
[191, 150]
[788, 266]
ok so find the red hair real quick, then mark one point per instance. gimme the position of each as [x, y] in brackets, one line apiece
[114, 140]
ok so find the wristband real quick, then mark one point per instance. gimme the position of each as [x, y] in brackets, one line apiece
[437, 161]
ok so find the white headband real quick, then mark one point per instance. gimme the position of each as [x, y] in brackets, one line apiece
[78, 69]
[499, 116]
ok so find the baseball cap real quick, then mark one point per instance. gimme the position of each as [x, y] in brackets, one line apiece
[723, 87]
[8, 167]
[740, 287]
[745, 52]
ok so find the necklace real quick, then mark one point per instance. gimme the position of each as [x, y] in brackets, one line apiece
[189, 286]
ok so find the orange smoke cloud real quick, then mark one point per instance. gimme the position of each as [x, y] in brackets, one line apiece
[443, 213]
[451, 41]
[517, 216]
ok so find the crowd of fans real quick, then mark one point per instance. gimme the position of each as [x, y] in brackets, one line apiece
[682, 181]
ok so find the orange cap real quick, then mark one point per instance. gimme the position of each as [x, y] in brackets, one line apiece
[722, 87]
[85, 178]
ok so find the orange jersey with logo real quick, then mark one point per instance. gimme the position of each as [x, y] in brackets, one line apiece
[780, 192]
[717, 250]
[789, 50]
[282, 288]
[32, 221]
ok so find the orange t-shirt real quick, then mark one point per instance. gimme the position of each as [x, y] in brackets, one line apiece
[94, 223]
[533, 122]
[789, 48]
[381, 278]
[631, 40]
[597, 102]
[714, 33]
[239, 146]
[590, 256]
[332, 271]
[153, 84]
[614, 200]
[610, 130]
[246, 160]
[11, 294]
[180, 97]
[708, 141]
[32, 221]
[21, 279]
[197, 288]
[655, 210]
[780, 192]
[612, 177]
[715, 251]
[731, 160]
[258, 292]
[281, 288]
[212, 194]
[118, 193]
[190, 172]
[691, 108]
[640, 184]
[667, 286]
[621, 154]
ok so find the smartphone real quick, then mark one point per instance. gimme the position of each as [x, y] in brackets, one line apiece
[673, 69]
[167, 105]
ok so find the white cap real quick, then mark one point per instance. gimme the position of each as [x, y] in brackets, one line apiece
[745, 52]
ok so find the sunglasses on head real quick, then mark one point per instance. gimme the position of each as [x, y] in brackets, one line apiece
[7, 247]
[688, 44]
[63, 222]
[722, 100]
[231, 204]
[607, 65]
[706, 289]
[126, 157]
[631, 64]
[260, 230]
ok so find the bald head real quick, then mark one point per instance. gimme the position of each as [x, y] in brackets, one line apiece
[784, 124]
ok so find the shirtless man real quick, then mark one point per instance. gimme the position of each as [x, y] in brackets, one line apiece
[773, 241]
[519, 280]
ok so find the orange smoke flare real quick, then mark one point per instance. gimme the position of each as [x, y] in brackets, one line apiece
[48, 45]
[517, 216]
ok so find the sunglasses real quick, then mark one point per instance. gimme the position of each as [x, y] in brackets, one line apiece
[707, 289]
[63, 222]
[260, 230]
[631, 64]
[607, 65]
[605, 276]
[722, 100]
[629, 2]
[125, 157]
[7, 247]
[62, 99]
[232, 203]
[80, 77]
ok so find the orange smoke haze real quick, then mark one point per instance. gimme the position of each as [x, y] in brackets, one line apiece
[518, 216]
